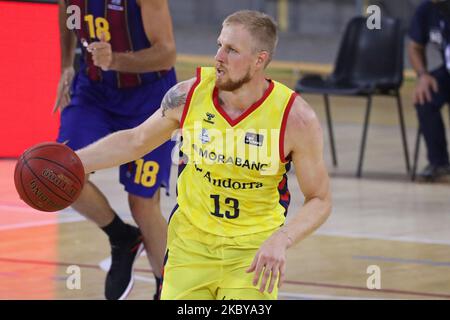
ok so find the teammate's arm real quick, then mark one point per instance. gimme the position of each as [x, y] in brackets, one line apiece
[67, 37]
[304, 143]
[128, 145]
[67, 41]
[158, 29]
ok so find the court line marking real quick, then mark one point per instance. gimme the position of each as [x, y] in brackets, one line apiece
[402, 260]
[65, 216]
[106, 263]
[296, 296]
[41, 223]
[374, 236]
[348, 287]
[291, 282]
[302, 296]
[70, 215]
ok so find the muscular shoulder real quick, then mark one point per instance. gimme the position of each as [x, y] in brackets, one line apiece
[174, 100]
[303, 130]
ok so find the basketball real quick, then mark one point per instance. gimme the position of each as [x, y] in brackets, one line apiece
[49, 176]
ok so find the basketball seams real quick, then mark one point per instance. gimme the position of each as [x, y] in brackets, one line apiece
[44, 145]
[55, 178]
[37, 177]
[51, 144]
[59, 165]
[20, 172]
[26, 191]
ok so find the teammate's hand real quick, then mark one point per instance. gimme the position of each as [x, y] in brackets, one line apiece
[270, 261]
[63, 93]
[425, 84]
[102, 54]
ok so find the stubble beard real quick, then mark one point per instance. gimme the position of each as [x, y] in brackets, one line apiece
[233, 85]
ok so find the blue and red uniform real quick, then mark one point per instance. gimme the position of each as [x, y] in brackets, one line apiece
[103, 102]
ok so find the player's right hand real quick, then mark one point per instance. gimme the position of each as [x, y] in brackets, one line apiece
[63, 94]
[426, 83]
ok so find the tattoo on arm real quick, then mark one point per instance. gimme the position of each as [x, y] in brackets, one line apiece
[174, 98]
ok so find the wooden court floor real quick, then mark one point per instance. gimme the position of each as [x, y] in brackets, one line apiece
[382, 220]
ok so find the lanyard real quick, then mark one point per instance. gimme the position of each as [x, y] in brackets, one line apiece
[445, 42]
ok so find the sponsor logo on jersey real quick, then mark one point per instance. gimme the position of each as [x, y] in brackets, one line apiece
[229, 183]
[209, 117]
[223, 159]
[115, 5]
[254, 139]
[204, 136]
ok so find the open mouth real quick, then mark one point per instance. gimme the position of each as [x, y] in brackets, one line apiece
[219, 71]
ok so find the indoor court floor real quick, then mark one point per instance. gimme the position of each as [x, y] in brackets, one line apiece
[382, 219]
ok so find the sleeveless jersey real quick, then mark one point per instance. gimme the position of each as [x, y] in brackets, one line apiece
[232, 177]
[121, 21]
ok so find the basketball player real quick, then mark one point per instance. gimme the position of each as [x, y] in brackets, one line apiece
[128, 53]
[227, 237]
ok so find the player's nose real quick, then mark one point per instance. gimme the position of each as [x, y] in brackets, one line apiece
[220, 55]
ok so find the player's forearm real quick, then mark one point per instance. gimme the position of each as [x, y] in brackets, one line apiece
[66, 37]
[156, 58]
[113, 150]
[128, 145]
[310, 217]
[417, 58]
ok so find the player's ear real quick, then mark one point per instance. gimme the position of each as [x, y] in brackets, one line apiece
[262, 59]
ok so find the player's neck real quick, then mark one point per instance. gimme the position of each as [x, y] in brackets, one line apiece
[241, 99]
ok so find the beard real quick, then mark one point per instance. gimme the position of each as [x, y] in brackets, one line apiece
[233, 85]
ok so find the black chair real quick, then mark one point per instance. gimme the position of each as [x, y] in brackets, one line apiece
[417, 148]
[369, 62]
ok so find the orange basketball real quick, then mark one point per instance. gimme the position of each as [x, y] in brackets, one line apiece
[49, 176]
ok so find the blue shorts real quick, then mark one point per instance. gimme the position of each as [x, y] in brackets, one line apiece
[97, 110]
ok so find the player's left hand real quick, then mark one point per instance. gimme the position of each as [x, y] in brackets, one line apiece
[102, 54]
[63, 93]
[270, 261]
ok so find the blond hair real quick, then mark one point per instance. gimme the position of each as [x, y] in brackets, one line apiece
[261, 27]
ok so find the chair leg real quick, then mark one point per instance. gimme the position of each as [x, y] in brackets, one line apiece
[330, 130]
[402, 128]
[364, 136]
[416, 155]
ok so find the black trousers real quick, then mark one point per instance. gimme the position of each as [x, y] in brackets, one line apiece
[431, 122]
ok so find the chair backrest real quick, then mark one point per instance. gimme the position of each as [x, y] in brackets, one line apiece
[371, 57]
